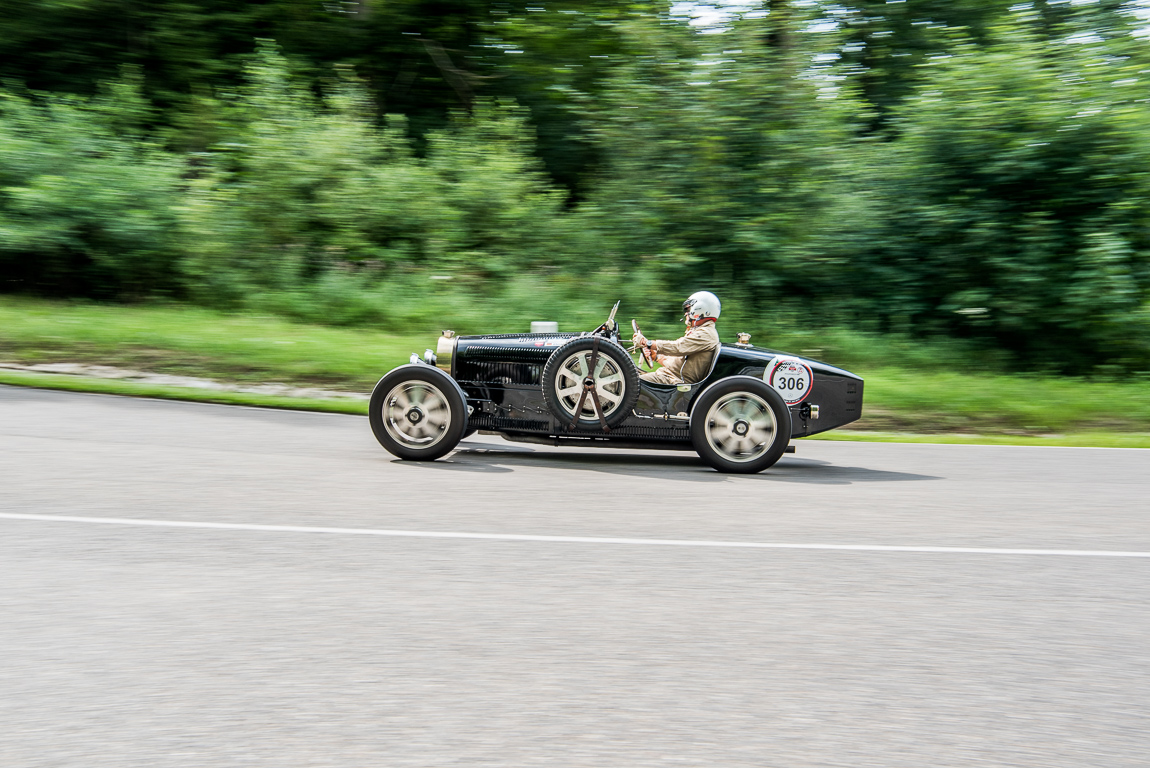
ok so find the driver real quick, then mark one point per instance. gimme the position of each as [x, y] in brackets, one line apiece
[688, 359]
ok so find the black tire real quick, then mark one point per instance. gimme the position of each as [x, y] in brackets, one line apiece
[740, 403]
[418, 412]
[563, 373]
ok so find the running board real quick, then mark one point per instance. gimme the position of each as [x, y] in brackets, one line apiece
[595, 441]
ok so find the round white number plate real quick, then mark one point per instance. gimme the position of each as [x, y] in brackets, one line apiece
[791, 378]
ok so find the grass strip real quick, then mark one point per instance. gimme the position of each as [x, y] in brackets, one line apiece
[247, 348]
[1068, 440]
[136, 389]
[945, 401]
[189, 341]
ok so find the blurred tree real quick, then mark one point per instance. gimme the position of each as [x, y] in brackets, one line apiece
[886, 43]
[725, 166]
[72, 45]
[555, 59]
[86, 201]
[313, 187]
[420, 58]
[1019, 201]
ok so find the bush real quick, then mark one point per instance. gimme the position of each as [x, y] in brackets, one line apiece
[1018, 205]
[87, 202]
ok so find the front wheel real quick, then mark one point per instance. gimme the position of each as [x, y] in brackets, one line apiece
[740, 424]
[418, 413]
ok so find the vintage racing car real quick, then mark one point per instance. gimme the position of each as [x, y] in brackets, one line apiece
[584, 389]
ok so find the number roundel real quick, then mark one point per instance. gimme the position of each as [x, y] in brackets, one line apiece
[791, 378]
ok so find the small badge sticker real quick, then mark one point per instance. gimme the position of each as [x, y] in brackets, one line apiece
[791, 378]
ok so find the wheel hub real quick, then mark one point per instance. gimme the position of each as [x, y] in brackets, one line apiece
[416, 414]
[740, 427]
[575, 381]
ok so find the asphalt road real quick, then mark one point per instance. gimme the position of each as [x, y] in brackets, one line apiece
[143, 645]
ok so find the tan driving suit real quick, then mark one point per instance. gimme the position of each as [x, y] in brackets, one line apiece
[688, 359]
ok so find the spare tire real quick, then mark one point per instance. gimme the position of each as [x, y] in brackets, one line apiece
[615, 377]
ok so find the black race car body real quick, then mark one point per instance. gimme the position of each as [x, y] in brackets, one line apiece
[585, 389]
[502, 376]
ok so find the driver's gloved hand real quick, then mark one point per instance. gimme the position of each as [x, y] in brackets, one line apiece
[639, 340]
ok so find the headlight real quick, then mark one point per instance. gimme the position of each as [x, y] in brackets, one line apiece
[445, 351]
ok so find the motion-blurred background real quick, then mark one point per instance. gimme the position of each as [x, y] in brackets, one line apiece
[964, 182]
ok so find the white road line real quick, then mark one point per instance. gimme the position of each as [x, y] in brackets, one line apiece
[561, 539]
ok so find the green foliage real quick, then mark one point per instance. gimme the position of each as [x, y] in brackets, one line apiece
[86, 201]
[183, 45]
[1018, 204]
[974, 170]
[886, 43]
[725, 167]
[314, 197]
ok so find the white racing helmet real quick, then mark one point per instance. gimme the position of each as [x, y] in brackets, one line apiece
[700, 306]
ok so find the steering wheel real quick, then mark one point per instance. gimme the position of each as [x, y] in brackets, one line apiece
[644, 352]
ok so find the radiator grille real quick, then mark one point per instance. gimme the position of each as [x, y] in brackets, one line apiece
[505, 354]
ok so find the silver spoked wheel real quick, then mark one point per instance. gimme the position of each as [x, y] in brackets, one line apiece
[609, 384]
[741, 426]
[416, 414]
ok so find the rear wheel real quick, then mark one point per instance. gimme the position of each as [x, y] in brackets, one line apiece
[740, 424]
[417, 413]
